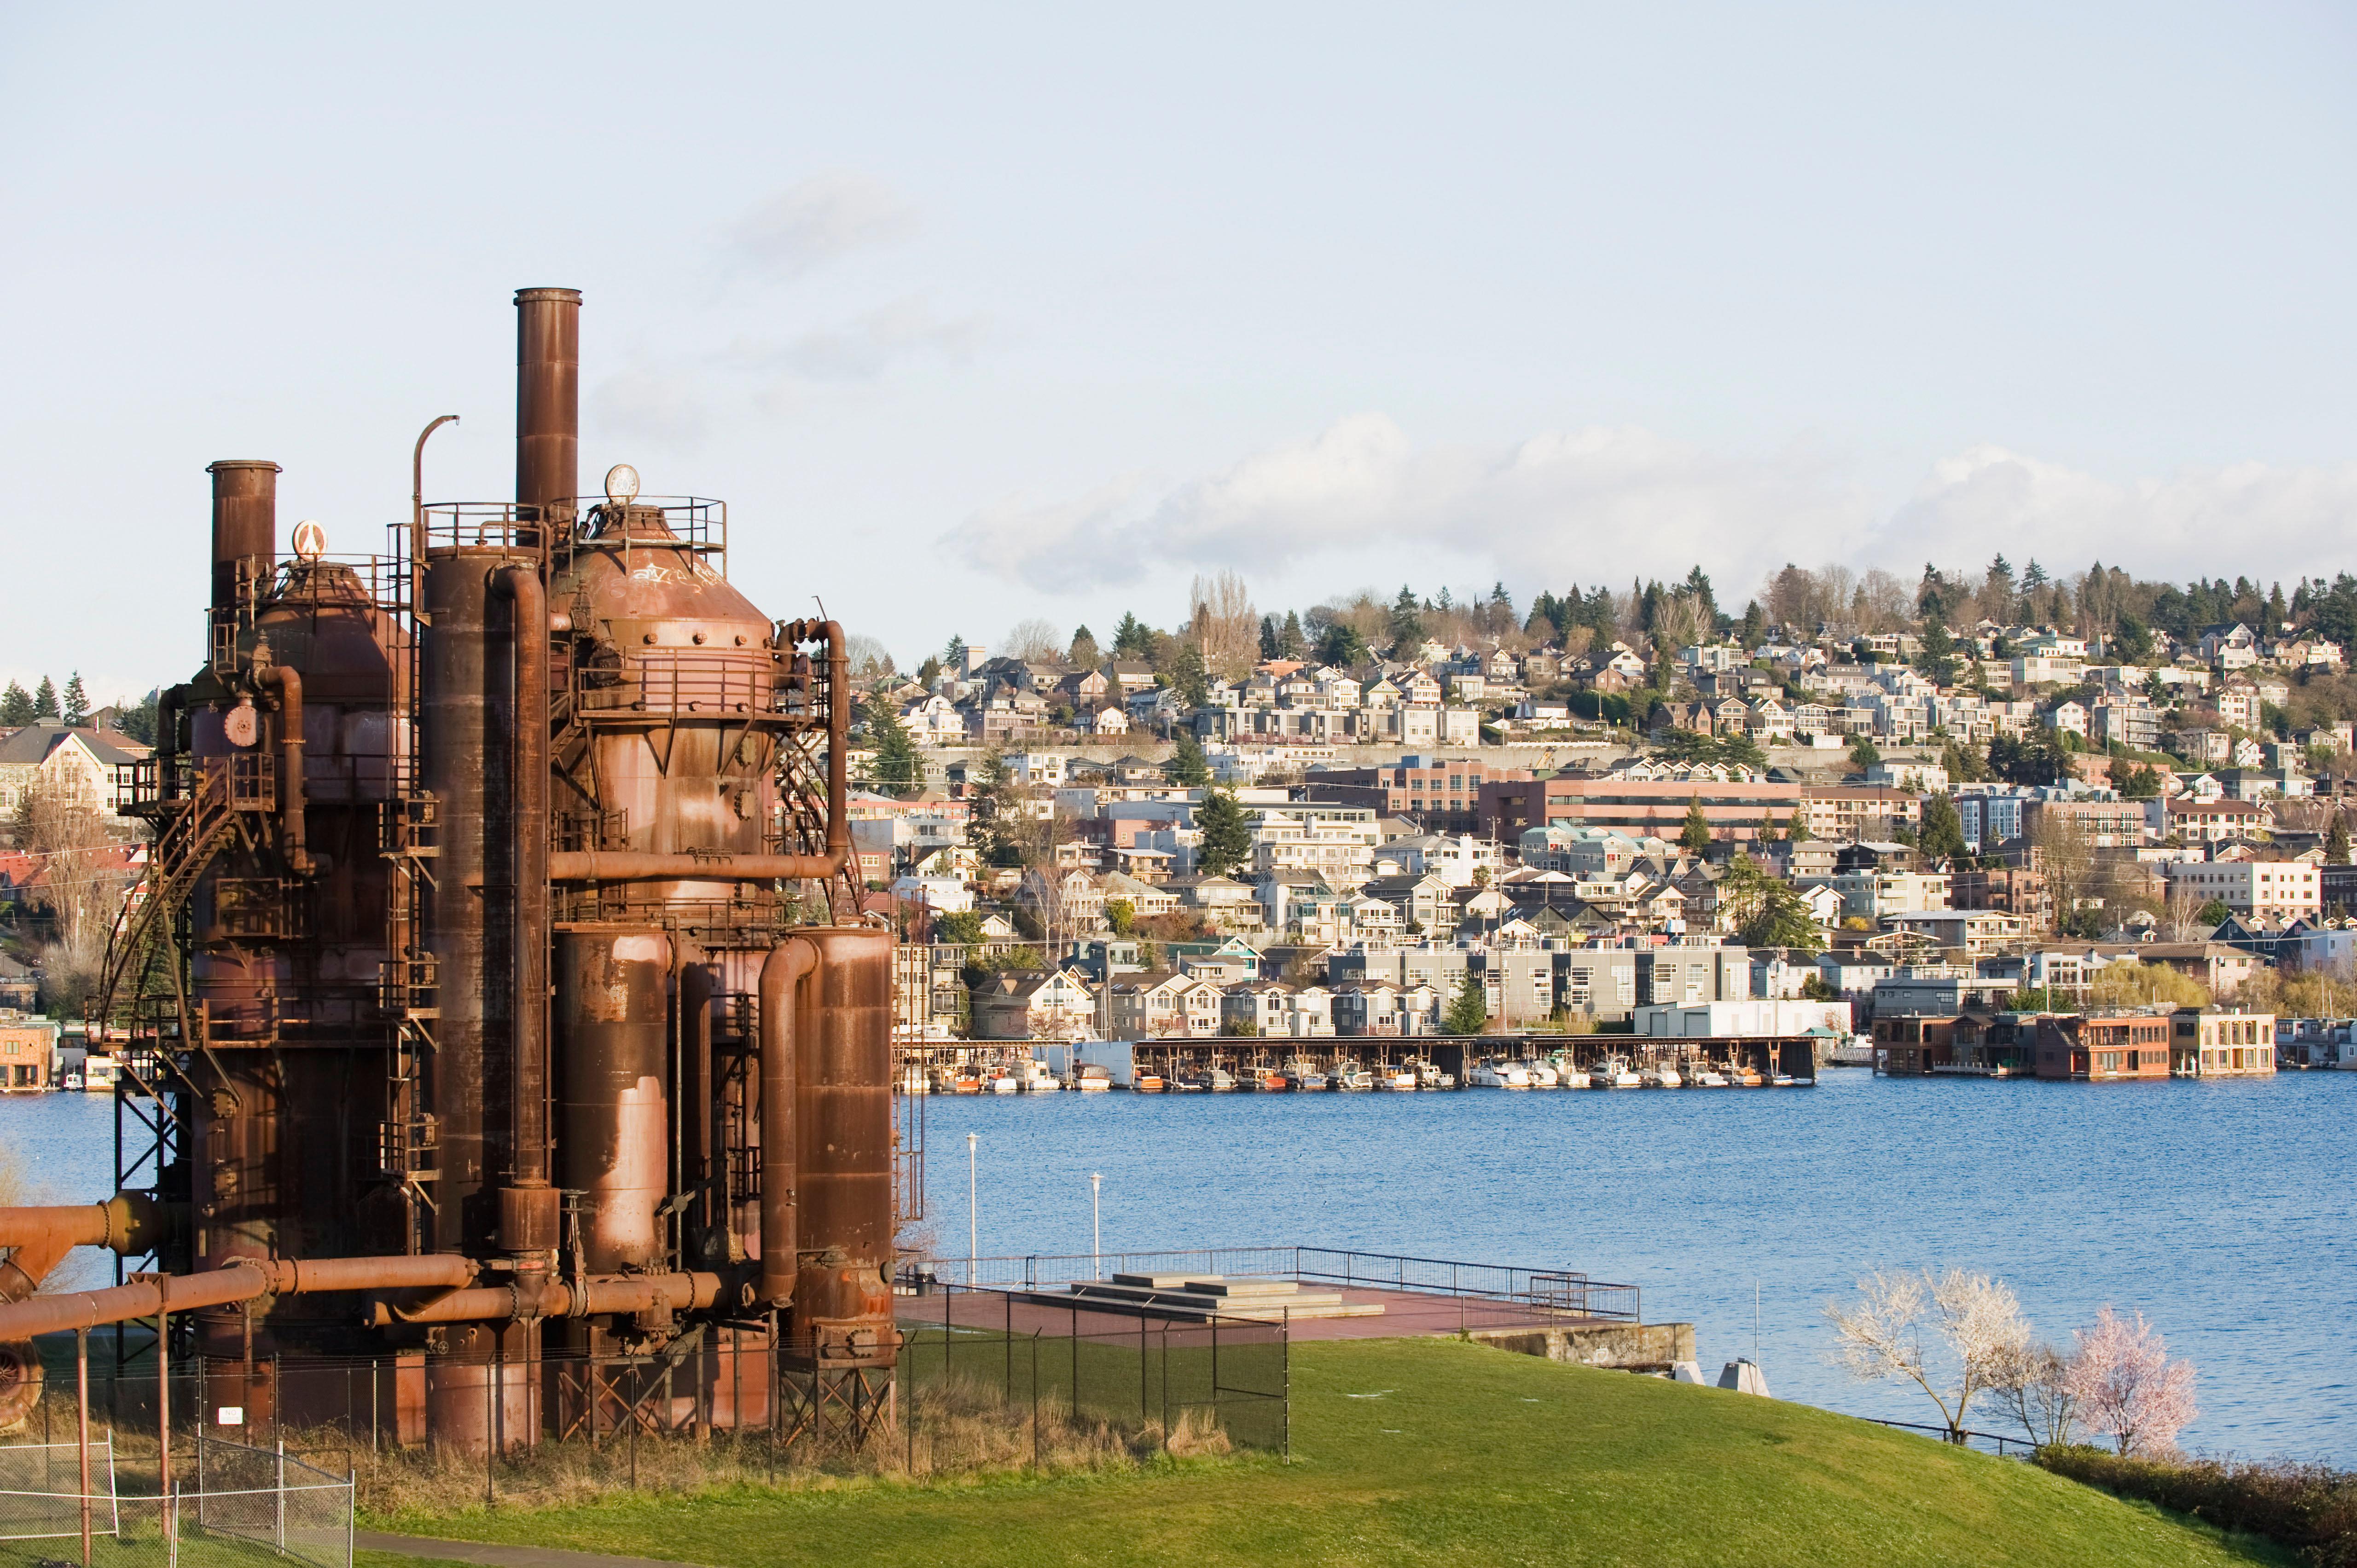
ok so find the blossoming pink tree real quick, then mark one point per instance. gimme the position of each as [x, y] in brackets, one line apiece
[2124, 1383]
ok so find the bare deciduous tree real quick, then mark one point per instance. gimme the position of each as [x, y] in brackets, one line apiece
[1225, 626]
[1949, 1334]
[2128, 1387]
[1035, 641]
[2032, 1384]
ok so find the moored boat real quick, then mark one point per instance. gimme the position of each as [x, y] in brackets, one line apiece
[1147, 1083]
[1662, 1077]
[1613, 1073]
[1092, 1079]
[1709, 1077]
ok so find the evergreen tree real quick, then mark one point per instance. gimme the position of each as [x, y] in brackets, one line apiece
[1696, 835]
[1131, 639]
[1187, 766]
[1407, 626]
[1863, 752]
[1753, 629]
[1342, 646]
[45, 699]
[1291, 643]
[138, 720]
[929, 672]
[1767, 828]
[1796, 826]
[1943, 836]
[896, 769]
[17, 706]
[76, 701]
[1188, 680]
[1468, 1009]
[1085, 655]
[2336, 841]
[953, 653]
[1272, 645]
[1227, 841]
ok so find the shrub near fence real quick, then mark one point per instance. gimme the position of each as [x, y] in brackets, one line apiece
[2311, 1506]
[1154, 1373]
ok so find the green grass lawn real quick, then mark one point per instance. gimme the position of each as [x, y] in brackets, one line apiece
[1437, 1451]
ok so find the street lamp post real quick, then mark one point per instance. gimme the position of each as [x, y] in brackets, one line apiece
[973, 1212]
[1096, 1226]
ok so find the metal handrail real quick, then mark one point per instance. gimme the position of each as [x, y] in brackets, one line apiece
[1963, 1437]
[1549, 1290]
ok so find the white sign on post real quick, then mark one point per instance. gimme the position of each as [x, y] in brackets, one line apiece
[230, 1416]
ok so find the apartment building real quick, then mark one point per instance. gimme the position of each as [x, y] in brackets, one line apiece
[1734, 808]
[2278, 889]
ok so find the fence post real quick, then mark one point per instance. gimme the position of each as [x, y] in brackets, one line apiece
[1284, 1370]
[1035, 1399]
[81, 1424]
[277, 1498]
[351, 1507]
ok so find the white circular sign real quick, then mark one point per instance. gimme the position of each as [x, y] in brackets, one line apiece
[621, 484]
[243, 725]
[310, 540]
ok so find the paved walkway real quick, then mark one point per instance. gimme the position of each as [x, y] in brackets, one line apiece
[496, 1556]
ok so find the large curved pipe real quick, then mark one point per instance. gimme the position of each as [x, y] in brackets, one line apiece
[558, 1298]
[242, 1281]
[789, 963]
[520, 586]
[289, 682]
[694, 1003]
[39, 1239]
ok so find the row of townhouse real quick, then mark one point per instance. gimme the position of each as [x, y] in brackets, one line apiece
[1368, 989]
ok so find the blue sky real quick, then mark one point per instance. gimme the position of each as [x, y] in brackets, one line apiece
[977, 314]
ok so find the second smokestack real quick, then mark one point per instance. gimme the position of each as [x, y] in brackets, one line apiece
[548, 395]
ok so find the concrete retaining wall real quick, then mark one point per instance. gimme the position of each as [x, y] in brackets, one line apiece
[1628, 1346]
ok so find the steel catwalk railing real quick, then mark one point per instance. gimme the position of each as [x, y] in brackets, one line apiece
[1556, 1293]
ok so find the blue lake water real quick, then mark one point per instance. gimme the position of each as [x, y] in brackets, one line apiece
[2224, 1211]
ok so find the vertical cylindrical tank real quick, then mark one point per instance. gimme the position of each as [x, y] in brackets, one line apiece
[842, 1298]
[613, 1110]
[245, 521]
[548, 395]
[454, 704]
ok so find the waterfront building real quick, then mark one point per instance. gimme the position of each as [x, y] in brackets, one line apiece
[2133, 1044]
[2205, 1042]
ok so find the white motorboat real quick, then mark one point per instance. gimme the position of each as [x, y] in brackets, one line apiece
[1662, 1076]
[1495, 1074]
[1613, 1073]
[1222, 1082]
[1430, 1077]
[1400, 1081]
[1038, 1079]
[1352, 1078]
[1005, 1083]
[1092, 1079]
[1709, 1077]
[1542, 1075]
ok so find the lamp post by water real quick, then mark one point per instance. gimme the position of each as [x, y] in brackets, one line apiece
[1096, 1227]
[973, 1212]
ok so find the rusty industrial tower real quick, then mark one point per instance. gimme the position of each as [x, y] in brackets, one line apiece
[498, 1009]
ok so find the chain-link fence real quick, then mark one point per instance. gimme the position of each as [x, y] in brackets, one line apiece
[237, 1504]
[1167, 1376]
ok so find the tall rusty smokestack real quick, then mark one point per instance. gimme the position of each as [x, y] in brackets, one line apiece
[548, 395]
[245, 521]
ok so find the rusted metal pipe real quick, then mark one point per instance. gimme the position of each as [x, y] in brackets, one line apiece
[39, 1239]
[417, 510]
[520, 586]
[169, 703]
[693, 1001]
[242, 1281]
[639, 865]
[548, 397]
[558, 1298]
[782, 972]
[292, 802]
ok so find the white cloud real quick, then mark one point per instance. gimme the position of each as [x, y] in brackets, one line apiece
[870, 345]
[1605, 504]
[2247, 517]
[817, 219]
[1592, 505]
